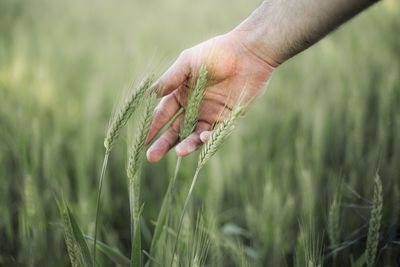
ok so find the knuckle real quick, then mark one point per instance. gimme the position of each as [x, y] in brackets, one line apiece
[184, 54]
[162, 114]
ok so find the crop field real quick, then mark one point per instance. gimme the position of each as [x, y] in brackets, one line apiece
[310, 176]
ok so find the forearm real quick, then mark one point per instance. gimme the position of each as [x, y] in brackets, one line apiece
[279, 29]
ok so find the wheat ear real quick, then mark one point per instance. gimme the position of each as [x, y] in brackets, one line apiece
[333, 221]
[193, 105]
[135, 158]
[218, 136]
[374, 223]
[136, 153]
[125, 113]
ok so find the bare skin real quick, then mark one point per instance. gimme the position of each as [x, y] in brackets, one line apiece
[243, 58]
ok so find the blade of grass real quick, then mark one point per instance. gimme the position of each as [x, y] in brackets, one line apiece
[360, 262]
[113, 254]
[76, 244]
[69, 236]
[83, 247]
[151, 259]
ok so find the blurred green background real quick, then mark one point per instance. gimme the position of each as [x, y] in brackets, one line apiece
[328, 123]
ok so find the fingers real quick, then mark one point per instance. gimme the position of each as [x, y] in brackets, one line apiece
[165, 142]
[175, 76]
[165, 110]
[193, 141]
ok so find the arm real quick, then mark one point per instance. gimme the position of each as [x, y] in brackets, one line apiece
[274, 32]
[279, 29]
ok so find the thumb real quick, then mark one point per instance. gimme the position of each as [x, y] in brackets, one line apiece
[176, 75]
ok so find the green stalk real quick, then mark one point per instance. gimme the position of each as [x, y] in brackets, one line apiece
[135, 211]
[162, 216]
[196, 175]
[103, 171]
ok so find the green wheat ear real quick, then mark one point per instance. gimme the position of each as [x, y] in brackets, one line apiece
[334, 220]
[123, 115]
[218, 136]
[374, 222]
[137, 150]
[193, 105]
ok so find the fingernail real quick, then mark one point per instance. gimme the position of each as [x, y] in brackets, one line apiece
[204, 136]
[152, 156]
[179, 150]
[184, 149]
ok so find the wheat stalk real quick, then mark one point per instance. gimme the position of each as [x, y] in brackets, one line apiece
[136, 153]
[135, 158]
[165, 208]
[374, 223]
[113, 132]
[103, 171]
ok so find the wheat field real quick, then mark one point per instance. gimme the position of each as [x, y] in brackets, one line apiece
[310, 176]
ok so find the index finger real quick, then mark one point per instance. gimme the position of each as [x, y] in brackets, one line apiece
[175, 76]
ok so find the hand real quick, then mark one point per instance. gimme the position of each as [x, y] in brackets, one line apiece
[234, 71]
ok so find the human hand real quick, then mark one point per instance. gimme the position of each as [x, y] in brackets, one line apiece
[235, 72]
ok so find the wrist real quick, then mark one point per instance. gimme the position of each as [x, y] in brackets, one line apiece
[256, 46]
